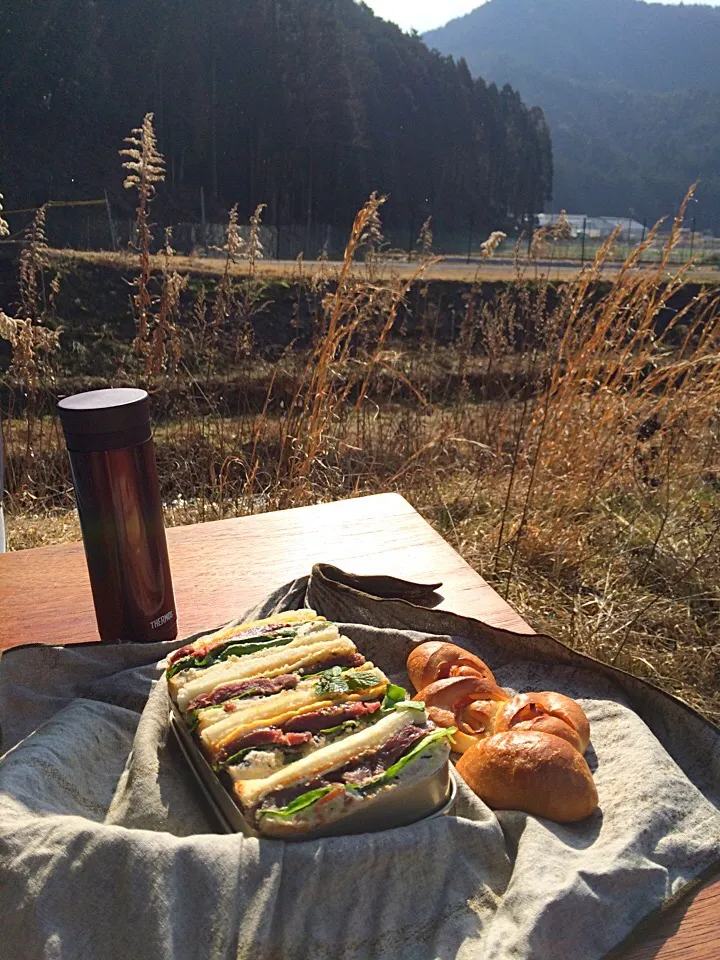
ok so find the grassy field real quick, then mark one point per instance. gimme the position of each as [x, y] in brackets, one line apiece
[567, 447]
[454, 269]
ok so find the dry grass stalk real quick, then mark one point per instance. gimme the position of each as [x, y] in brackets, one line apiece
[323, 390]
[489, 246]
[165, 349]
[425, 240]
[146, 168]
[4, 225]
[34, 261]
[255, 250]
[576, 427]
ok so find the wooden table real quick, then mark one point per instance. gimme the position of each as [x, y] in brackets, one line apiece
[222, 568]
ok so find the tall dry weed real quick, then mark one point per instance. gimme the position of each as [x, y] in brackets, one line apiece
[145, 167]
[563, 438]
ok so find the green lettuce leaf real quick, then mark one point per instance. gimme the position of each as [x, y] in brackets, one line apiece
[442, 733]
[393, 695]
[191, 720]
[298, 804]
[414, 706]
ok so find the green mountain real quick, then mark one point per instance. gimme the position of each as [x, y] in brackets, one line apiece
[305, 105]
[631, 91]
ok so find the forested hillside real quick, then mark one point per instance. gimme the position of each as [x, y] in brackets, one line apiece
[306, 105]
[631, 91]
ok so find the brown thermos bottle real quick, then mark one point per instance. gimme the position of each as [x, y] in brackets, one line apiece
[112, 457]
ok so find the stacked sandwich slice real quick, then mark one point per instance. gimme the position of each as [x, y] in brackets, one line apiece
[301, 729]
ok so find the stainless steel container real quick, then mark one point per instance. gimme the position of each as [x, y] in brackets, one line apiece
[400, 807]
[111, 452]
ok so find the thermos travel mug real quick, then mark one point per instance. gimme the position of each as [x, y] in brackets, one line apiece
[109, 440]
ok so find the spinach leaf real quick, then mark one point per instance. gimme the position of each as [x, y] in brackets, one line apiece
[243, 649]
[299, 803]
[179, 666]
[441, 733]
[413, 705]
[235, 758]
[191, 720]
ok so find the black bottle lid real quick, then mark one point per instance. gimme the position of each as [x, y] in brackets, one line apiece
[105, 419]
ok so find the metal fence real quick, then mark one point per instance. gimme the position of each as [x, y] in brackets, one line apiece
[96, 226]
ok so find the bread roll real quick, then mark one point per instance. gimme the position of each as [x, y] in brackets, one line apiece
[529, 709]
[436, 660]
[467, 703]
[547, 724]
[531, 771]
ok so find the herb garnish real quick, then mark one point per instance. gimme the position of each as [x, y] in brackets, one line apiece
[334, 681]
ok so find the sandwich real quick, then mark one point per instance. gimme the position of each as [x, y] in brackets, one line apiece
[296, 724]
[401, 748]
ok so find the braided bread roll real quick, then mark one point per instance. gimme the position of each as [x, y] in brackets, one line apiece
[547, 713]
[437, 660]
[531, 771]
[468, 703]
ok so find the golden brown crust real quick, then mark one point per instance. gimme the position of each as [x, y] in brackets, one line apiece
[437, 660]
[547, 724]
[531, 771]
[468, 703]
[527, 707]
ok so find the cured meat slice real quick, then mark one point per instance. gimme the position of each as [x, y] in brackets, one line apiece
[260, 687]
[261, 738]
[331, 716]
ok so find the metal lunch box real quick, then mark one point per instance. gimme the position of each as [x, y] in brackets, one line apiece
[432, 797]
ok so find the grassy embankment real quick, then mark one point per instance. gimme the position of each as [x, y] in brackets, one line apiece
[564, 440]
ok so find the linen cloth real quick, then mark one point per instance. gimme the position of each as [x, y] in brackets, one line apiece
[107, 850]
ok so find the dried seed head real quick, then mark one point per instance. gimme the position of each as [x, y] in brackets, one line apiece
[425, 239]
[255, 249]
[4, 227]
[561, 229]
[371, 234]
[145, 163]
[31, 344]
[234, 244]
[488, 248]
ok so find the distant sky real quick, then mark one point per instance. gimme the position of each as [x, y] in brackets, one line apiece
[424, 15]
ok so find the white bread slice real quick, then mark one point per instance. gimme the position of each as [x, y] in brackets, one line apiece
[227, 633]
[315, 631]
[215, 723]
[251, 792]
[298, 654]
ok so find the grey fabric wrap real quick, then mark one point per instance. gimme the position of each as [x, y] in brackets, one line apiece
[108, 851]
